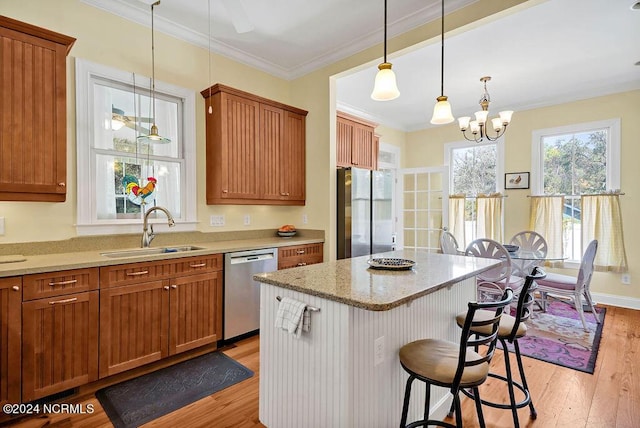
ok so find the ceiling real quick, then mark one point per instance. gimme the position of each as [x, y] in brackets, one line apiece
[553, 52]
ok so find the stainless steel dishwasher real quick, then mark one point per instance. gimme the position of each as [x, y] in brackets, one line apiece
[241, 292]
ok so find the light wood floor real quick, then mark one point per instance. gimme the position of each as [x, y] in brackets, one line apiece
[563, 397]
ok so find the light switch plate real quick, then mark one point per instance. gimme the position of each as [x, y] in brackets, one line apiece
[217, 220]
[1, 225]
[247, 220]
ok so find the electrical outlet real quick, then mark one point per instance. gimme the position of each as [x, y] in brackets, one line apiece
[304, 219]
[378, 351]
[247, 220]
[625, 278]
[217, 220]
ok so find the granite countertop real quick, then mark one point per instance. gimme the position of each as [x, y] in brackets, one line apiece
[69, 256]
[353, 283]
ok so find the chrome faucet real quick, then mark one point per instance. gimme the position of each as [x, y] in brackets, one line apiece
[147, 229]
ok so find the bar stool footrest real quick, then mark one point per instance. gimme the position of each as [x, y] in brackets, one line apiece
[525, 402]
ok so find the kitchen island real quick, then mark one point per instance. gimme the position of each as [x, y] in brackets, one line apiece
[345, 371]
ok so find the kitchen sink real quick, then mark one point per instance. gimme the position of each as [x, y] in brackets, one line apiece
[136, 252]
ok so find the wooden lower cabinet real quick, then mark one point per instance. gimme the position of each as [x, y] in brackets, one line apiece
[300, 255]
[133, 326]
[59, 343]
[10, 332]
[146, 322]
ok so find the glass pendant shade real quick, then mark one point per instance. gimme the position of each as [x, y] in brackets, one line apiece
[153, 137]
[116, 124]
[385, 87]
[464, 122]
[505, 116]
[442, 112]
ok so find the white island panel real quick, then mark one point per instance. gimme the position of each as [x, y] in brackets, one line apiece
[331, 377]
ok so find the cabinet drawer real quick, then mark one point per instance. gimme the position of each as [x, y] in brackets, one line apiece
[210, 263]
[53, 284]
[300, 255]
[135, 273]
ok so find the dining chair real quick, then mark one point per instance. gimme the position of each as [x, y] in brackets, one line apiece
[449, 244]
[454, 365]
[529, 241]
[573, 287]
[493, 282]
[511, 329]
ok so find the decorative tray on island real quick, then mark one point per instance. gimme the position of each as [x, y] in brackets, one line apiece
[391, 264]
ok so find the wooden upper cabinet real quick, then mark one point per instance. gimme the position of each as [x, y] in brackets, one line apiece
[33, 109]
[255, 149]
[356, 142]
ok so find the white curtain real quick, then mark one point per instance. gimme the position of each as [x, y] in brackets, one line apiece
[546, 219]
[456, 218]
[602, 220]
[489, 216]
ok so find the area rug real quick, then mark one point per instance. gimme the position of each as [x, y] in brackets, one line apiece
[557, 337]
[140, 400]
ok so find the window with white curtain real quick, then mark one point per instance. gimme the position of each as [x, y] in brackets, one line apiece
[120, 177]
[474, 168]
[574, 160]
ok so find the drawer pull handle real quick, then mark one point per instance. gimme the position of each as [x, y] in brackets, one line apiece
[299, 251]
[302, 264]
[57, 302]
[15, 288]
[197, 265]
[71, 281]
[284, 193]
[142, 272]
[174, 286]
[166, 287]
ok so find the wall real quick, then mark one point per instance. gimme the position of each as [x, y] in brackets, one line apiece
[426, 148]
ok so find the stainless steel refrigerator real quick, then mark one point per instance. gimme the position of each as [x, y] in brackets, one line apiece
[365, 217]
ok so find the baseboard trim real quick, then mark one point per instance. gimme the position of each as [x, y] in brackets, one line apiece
[614, 300]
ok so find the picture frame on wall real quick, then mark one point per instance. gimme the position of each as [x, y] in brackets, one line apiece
[516, 180]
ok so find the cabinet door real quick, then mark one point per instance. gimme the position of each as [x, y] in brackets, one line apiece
[362, 146]
[293, 180]
[344, 131]
[272, 151]
[133, 326]
[239, 148]
[33, 87]
[195, 311]
[59, 344]
[10, 332]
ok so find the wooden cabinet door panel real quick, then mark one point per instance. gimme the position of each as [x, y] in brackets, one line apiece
[272, 151]
[240, 154]
[344, 130]
[292, 157]
[60, 344]
[33, 84]
[362, 146]
[10, 339]
[195, 317]
[133, 326]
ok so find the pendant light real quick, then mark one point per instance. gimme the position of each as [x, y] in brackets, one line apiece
[385, 87]
[442, 109]
[153, 136]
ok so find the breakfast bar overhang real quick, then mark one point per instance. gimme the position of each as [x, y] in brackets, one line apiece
[345, 371]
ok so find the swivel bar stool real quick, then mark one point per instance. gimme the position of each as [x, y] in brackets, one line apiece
[511, 329]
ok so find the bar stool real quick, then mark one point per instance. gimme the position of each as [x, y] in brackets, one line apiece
[511, 329]
[452, 365]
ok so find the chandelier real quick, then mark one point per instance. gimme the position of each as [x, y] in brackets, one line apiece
[478, 127]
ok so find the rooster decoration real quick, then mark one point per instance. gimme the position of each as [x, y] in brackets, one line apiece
[136, 194]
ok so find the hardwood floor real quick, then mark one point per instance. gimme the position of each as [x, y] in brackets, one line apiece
[563, 397]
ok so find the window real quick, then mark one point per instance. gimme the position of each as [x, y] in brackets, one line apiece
[119, 178]
[574, 160]
[473, 169]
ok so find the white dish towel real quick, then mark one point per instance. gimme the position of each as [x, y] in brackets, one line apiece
[292, 316]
